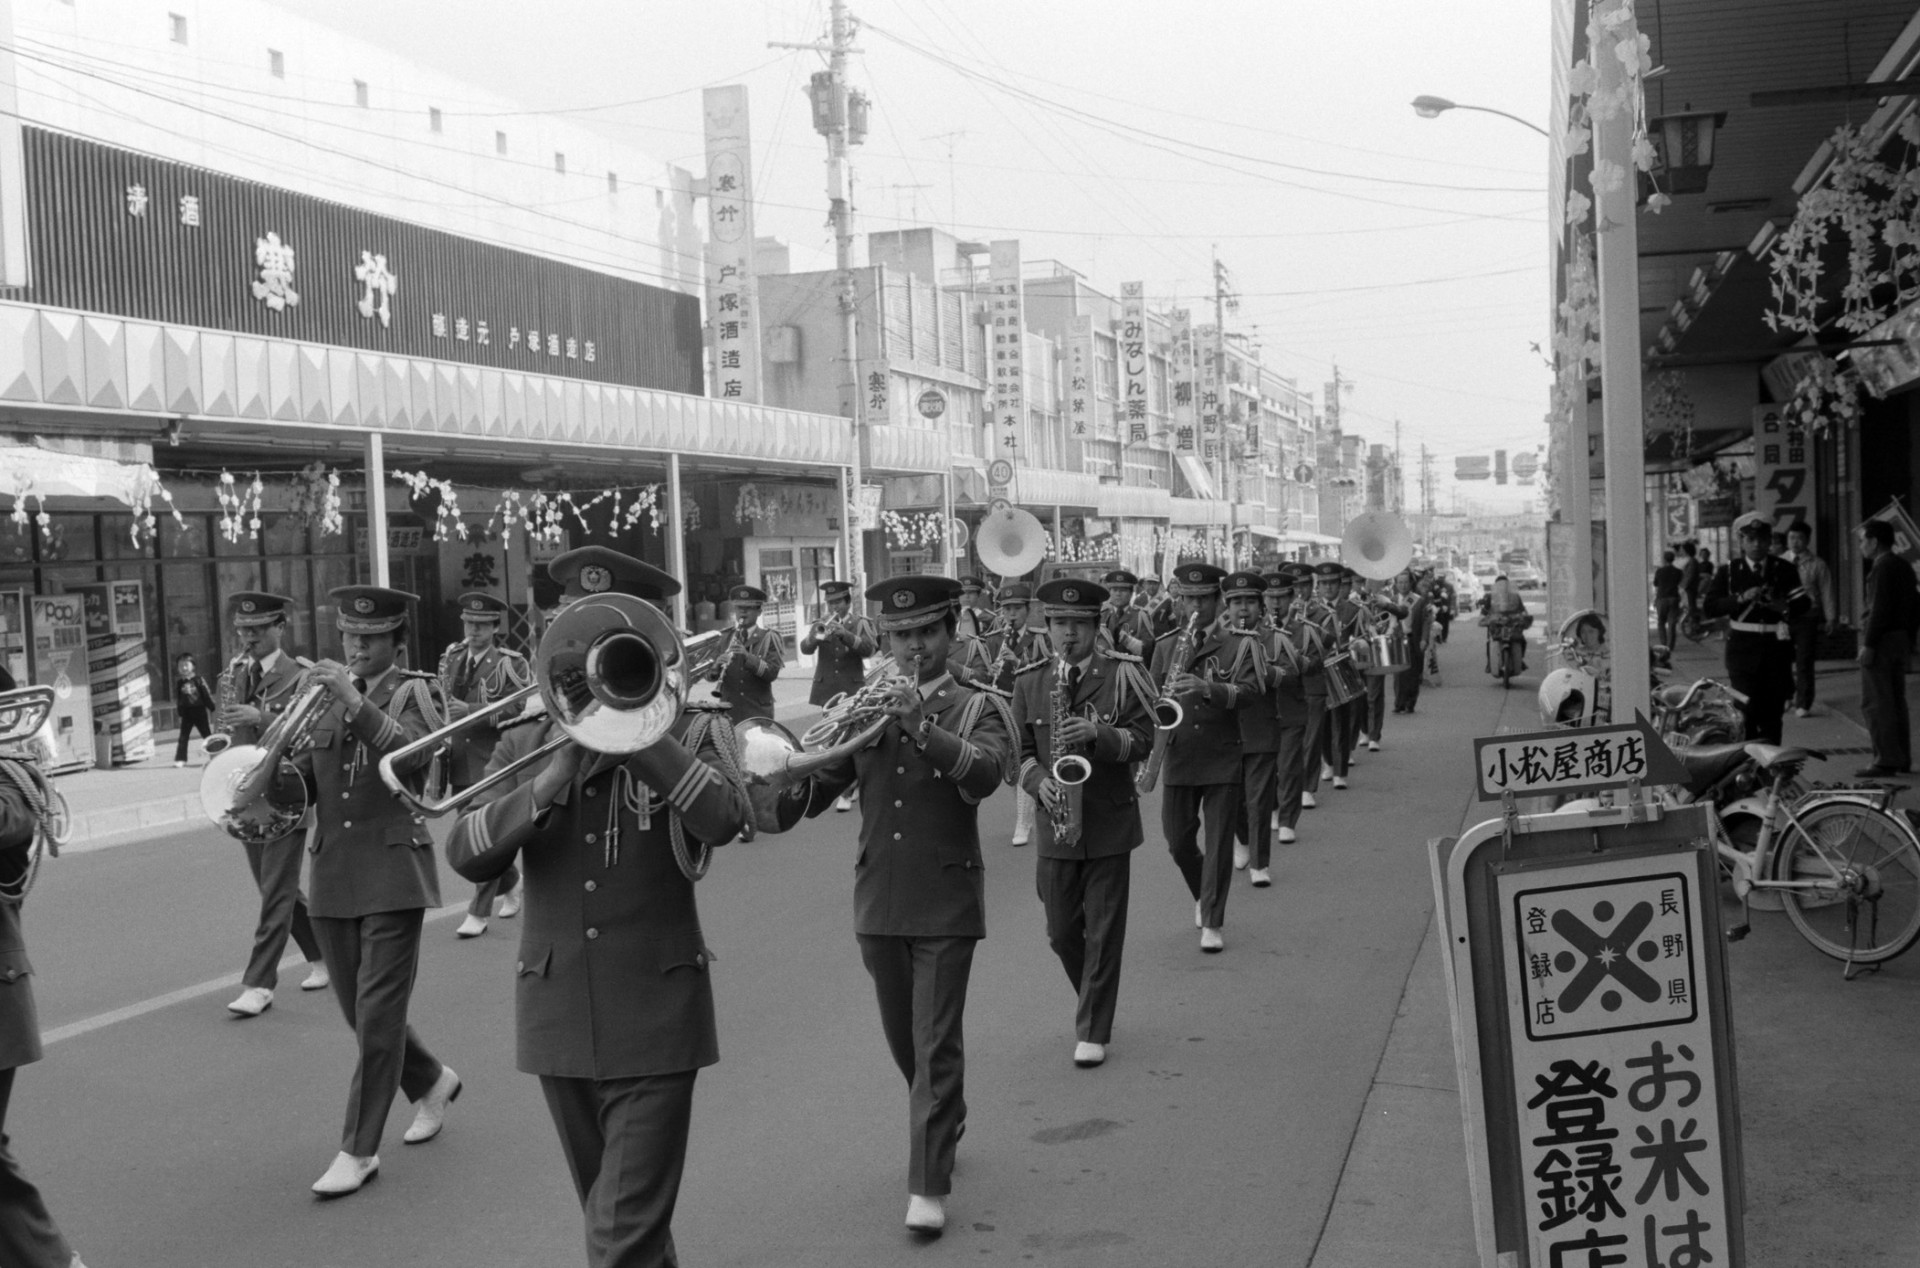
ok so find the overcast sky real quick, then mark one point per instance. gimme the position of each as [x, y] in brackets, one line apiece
[1412, 251]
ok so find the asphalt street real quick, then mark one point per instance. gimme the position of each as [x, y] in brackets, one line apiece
[166, 1133]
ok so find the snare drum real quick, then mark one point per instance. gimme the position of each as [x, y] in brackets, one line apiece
[1344, 680]
[1389, 649]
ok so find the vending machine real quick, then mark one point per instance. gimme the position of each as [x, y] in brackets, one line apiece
[57, 629]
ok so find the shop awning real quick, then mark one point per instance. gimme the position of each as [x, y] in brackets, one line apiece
[35, 473]
[1199, 511]
[1132, 501]
[1261, 530]
[1043, 486]
[1301, 537]
[1198, 477]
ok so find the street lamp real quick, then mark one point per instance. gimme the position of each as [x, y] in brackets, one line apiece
[1433, 107]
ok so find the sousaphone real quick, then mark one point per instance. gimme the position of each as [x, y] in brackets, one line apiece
[1376, 545]
[1011, 542]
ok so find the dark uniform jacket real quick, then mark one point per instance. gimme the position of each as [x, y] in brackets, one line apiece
[840, 658]
[1259, 720]
[1205, 747]
[1308, 630]
[475, 681]
[1115, 686]
[919, 873]
[612, 981]
[969, 661]
[747, 685]
[1292, 653]
[1013, 650]
[371, 853]
[1126, 630]
[19, 1022]
[272, 695]
[1777, 579]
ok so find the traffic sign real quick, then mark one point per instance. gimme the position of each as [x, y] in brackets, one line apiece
[932, 404]
[1303, 474]
[1000, 472]
[1574, 760]
[958, 533]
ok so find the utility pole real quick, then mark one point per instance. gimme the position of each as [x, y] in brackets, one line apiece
[1399, 474]
[841, 117]
[1223, 299]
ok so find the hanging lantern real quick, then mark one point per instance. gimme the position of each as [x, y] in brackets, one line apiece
[1683, 150]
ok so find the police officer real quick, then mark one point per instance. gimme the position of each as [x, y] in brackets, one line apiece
[1245, 595]
[1123, 626]
[919, 891]
[840, 643]
[1752, 592]
[474, 672]
[752, 659]
[613, 998]
[1011, 647]
[1202, 788]
[266, 677]
[1084, 875]
[373, 875]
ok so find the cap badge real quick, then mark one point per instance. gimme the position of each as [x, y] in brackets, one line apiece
[594, 579]
[363, 606]
[1070, 595]
[246, 605]
[903, 598]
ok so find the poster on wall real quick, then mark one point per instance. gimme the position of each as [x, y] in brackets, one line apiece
[732, 313]
[58, 624]
[1183, 425]
[116, 632]
[1080, 378]
[1133, 361]
[1007, 314]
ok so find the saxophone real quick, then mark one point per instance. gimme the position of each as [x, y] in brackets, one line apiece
[223, 701]
[1070, 770]
[1167, 713]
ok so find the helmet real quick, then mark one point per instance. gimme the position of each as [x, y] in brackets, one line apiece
[1567, 697]
[1584, 618]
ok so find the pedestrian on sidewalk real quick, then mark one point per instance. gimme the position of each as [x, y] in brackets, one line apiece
[1886, 638]
[192, 703]
[1808, 614]
[1666, 598]
[1752, 593]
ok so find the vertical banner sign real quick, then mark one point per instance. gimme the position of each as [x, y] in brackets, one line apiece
[1183, 424]
[1211, 386]
[1133, 361]
[732, 308]
[59, 626]
[1009, 353]
[1080, 396]
[1782, 469]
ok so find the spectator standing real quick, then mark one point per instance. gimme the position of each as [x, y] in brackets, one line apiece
[192, 703]
[1810, 613]
[1689, 576]
[1667, 579]
[1886, 637]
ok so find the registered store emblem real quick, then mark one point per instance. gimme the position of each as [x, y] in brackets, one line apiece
[1599, 958]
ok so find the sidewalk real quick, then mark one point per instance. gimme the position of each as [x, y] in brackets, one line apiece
[116, 805]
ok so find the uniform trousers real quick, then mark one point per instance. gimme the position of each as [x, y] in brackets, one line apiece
[1291, 764]
[276, 871]
[372, 960]
[1205, 864]
[1883, 697]
[1086, 905]
[28, 1236]
[486, 891]
[1406, 683]
[921, 986]
[1313, 746]
[1336, 748]
[1260, 793]
[1806, 642]
[626, 1146]
[1761, 667]
[1376, 706]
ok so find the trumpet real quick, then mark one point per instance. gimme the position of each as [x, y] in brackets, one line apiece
[826, 626]
[770, 755]
[239, 787]
[611, 672]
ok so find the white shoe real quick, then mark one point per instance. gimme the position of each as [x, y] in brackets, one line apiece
[1211, 941]
[842, 805]
[1197, 923]
[1373, 746]
[471, 927]
[1308, 801]
[346, 1175]
[252, 1002]
[318, 979]
[1326, 772]
[1242, 855]
[1339, 781]
[510, 905]
[178, 765]
[1021, 838]
[1260, 877]
[1798, 713]
[1088, 1055]
[926, 1216]
[432, 1114]
[1287, 836]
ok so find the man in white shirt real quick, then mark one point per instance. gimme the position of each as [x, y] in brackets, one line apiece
[1809, 613]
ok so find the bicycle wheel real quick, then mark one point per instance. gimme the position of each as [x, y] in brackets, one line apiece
[1864, 902]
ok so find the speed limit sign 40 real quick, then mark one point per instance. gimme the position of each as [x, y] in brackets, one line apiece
[1000, 471]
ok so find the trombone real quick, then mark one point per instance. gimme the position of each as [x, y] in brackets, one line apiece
[612, 673]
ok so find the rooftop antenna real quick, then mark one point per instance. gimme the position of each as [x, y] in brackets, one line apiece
[951, 140]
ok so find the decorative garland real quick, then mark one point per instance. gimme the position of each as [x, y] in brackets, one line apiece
[316, 495]
[927, 528]
[749, 505]
[240, 507]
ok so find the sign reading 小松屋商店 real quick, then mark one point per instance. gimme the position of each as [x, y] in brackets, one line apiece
[1577, 760]
[119, 232]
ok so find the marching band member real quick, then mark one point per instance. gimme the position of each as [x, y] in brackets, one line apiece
[613, 998]
[744, 674]
[1307, 618]
[28, 1236]
[1406, 684]
[919, 891]
[975, 618]
[473, 672]
[1100, 710]
[373, 876]
[1339, 615]
[840, 645]
[1012, 646]
[1245, 595]
[1124, 627]
[1202, 780]
[265, 678]
[1293, 666]
[1380, 605]
[1162, 614]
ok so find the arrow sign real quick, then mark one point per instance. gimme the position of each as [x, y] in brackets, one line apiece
[1576, 760]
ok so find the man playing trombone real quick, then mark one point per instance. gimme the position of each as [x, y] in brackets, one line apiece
[254, 690]
[613, 996]
[752, 659]
[474, 672]
[1094, 704]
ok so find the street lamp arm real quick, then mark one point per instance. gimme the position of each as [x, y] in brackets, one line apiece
[1432, 107]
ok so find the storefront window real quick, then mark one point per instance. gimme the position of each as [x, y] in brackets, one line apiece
[291, 577]
[116, 539]
[186, 539]
[188, 621]
[66, 539]
[285, 534]
[16, 542]
[328, 574]
[245, 544]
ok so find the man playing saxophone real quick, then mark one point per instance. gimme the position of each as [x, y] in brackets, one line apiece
[1095, 704]
[752, 659]
[255, 689]
[474, 672]
[613, 993]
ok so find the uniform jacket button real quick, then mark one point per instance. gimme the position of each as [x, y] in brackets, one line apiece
[347, 824]
[592, 837]
[346, 794]
[592, 885]
[899, 770]
[519, 966]
[593, 792]
[899, 803]
[593, 933]
[896, 836]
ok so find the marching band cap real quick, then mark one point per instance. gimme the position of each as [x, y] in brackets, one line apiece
[746, 594]
[1753, 523]
[256, 607]
[836, 589]
[1243, 585]
[598, 570]
[1195, 580]
[911, 601]
[1278, 582]
[968, 584]
[477, 605]
[1329, 571]
[1119, 577]
[1071, 597]
[1018, 593]
[370, 609]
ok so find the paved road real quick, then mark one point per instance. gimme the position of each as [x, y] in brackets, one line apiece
[1215, 1135]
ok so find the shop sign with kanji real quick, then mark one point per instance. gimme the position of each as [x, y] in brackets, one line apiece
[1582, 760]
[1617, 1067]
